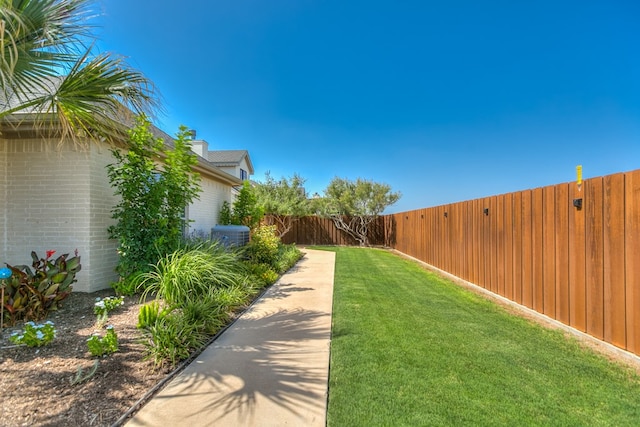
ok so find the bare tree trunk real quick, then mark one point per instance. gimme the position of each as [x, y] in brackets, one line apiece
[357, 226]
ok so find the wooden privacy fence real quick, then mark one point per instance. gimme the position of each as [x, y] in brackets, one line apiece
[313, 230]
[578, 265]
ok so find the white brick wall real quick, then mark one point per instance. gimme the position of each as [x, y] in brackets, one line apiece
[103, 258]
[53, 201]
[62, 200]
[205, 211]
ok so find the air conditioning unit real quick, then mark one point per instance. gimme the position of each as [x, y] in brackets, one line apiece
[231, 235]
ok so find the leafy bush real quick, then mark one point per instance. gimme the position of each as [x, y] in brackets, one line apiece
[34, 335]
[129, 285]
[32, 294]
[225, 216]
[245, 209]
[100, 346]
[149, 217]
[260, 274]
[288, 255]
[264, 244]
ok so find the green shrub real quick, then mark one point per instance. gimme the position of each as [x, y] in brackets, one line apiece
[100, 346]
[288, 256]
[34, 335]
[260, 275]
[102, 307]
[129, 285]
[149, 217]
[264, 244]
[231, 297]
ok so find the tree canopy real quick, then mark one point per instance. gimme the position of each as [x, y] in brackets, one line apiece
[48, 69]
[354, 205]
[283, 201]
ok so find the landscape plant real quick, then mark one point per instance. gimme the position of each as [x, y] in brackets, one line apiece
[197, 288]
[150, 313]
[150, 215]
[354, 205]
[245, 209]
[191, 274]
[34, 335]
[283, 201]
[171, 339]
[102, 307]
[100, 346]
[264, 245]
[32, 292]
[48, 68]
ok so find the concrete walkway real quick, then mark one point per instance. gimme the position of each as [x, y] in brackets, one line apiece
[270, 368]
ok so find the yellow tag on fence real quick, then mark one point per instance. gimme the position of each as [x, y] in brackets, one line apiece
[579, 175]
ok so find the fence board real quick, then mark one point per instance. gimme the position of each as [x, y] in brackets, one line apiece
[613, 261]
[517, 247]
[577, 303]
[527, 250]
[500, 244]
[632, 258]
[594, 271]
[537, 250]
[508, 246]
[549, 251]
[563, 204]
[475, 224]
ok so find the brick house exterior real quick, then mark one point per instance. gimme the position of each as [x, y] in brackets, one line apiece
[57, 196]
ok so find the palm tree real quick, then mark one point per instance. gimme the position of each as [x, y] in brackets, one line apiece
[48, 72]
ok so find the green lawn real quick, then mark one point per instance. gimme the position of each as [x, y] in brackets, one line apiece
[412, 349]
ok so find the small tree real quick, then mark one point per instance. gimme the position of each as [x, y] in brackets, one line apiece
[284, 201]
[150, 214]
[245, 209]
[181, 187]
[353, 206]
[226, 216]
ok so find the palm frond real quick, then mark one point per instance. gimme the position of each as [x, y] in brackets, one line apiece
[47, 69]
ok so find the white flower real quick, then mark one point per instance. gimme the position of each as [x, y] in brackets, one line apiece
[39, 335]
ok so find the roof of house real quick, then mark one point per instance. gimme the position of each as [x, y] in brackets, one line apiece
[222, 158]
[22, 125]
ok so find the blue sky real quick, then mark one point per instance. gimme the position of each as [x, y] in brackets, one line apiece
[444, 101]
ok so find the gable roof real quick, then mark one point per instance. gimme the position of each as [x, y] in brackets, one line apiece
[222, 158]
